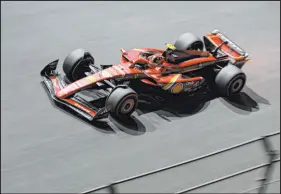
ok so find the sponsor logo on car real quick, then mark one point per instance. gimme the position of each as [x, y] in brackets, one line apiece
[177, 88]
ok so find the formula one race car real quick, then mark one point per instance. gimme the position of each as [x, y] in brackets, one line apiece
[176, 70]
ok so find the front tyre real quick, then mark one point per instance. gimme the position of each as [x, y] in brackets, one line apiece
[77, 63]
[230, 80]
[122, 102]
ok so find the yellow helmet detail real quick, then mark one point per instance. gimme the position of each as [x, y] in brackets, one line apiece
[170, 46]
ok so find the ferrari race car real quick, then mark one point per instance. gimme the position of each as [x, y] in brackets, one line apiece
[179, 69]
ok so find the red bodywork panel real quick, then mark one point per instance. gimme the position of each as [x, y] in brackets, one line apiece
[120, 70]
[124, 69]
[80, 106]
[134, 54]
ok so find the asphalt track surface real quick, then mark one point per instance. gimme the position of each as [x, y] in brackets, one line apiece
[46, 150]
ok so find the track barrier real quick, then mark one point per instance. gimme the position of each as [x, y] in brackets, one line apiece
[271, 154]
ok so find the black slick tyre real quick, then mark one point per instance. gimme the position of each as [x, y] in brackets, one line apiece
[122, 102]
[77, 63]
[230, 80]
[189, 41]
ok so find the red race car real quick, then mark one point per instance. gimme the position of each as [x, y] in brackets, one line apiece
[182, 68]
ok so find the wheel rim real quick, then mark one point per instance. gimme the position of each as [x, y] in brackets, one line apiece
[236, 85]
[127, 106]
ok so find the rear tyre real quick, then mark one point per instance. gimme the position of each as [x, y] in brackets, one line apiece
[230, 80]
[122, 102]
[189, 41]
[77, 63]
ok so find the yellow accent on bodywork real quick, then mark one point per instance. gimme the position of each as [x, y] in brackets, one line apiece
[170, 46]
[91, 79]
[172, 81]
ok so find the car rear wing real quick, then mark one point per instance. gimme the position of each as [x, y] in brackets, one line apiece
[227, 46]
[230, 43]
